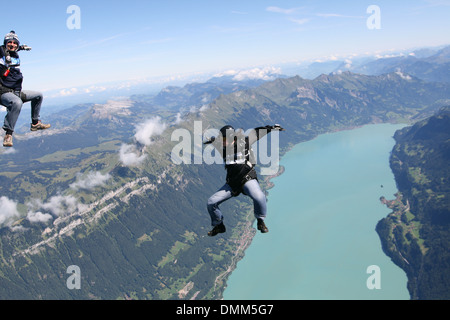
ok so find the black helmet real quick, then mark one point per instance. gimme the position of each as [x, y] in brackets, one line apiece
[226, 128]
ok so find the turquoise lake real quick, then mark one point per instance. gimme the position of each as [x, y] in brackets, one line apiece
[322, 215]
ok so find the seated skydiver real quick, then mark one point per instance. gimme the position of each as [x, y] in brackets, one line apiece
[11, 94]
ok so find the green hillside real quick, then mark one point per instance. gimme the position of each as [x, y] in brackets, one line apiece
[416, 235]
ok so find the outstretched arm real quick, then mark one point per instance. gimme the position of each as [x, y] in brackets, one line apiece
[259, 132]
[24, 47]
[216, 142]
[211, 140]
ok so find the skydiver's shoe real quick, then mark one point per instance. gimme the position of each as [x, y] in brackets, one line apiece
[262, 226]
[39, 126]
[7, 141]
[220, 228]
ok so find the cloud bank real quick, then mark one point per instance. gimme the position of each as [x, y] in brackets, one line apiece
[92, 180]
[38, 211]
[57, 206]
[266, 73]
[129, 154]
[8, 212]
[146, 130]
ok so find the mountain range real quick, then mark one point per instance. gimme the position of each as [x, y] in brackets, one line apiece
[100, 191]
[428, 64]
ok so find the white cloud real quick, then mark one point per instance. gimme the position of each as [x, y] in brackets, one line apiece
[8, 211]
[60, 205]
[68, 92]
[337, 15]
[8, 151]
[193, 109]
[300, 21]
[36, 217]
[94, 89]
[178, 118]
[92, 180]
[348, 63]
[438, 3]
[281, 10]
[387, 55]
[402, 75]
[128, 155]
[204, 108]
[266, 73]
[227, 73]
[149, 128]
[37, 210]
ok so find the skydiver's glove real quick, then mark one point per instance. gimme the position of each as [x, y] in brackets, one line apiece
[275, 127]
[211, 140]
[24, 47]
[278, 127]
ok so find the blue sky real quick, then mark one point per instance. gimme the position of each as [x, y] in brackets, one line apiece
[136, 39]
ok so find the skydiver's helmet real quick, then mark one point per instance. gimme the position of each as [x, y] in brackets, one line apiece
[227, 131]
[11, 36]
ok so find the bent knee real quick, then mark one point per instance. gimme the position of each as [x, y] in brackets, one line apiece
[38, 97]
[260, 197]
[211, 202]
[15, 105]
